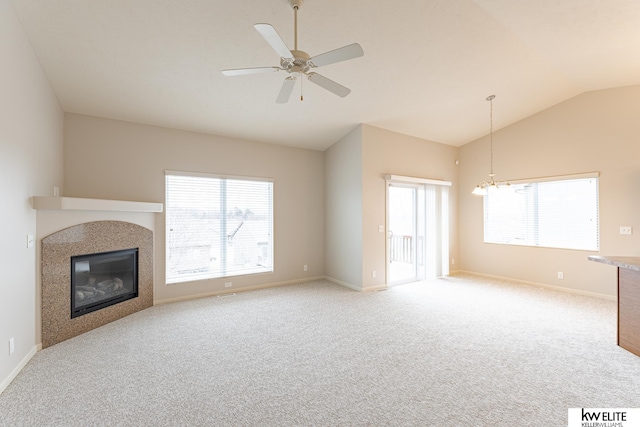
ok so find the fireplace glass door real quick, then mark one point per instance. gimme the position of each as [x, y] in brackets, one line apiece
[103, 279]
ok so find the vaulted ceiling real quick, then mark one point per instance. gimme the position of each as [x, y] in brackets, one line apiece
[427, 68]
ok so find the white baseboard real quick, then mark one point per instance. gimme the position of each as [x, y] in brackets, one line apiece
[345, 284]
[542, 285]
[4, 384]
[237, 290]
[375, 288]
[271, 285]
[356, 288]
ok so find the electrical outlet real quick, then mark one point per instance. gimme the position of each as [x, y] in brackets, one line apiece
[373, 274]
[626, 230]
[305, 267]
[56, 192]
[12, 346]
[560, 275]
[227, 285]
[29, 241]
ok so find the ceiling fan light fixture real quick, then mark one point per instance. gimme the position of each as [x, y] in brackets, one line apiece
[484, 187]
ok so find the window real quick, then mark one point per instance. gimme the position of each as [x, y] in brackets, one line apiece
[217, 226]
[556, 213]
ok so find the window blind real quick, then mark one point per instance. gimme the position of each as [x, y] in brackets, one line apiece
[554, 213]
[217, 226]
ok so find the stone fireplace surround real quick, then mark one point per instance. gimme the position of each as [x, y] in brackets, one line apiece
[81, 239]
[67, 226]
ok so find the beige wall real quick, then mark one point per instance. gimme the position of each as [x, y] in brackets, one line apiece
[118, 160]
[343, 210]
[356, 197]
[386, 152]
[30, 164]
[596, 131]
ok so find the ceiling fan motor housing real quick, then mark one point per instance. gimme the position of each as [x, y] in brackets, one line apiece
[298, 64]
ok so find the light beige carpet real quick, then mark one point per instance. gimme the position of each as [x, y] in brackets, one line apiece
[457, 351]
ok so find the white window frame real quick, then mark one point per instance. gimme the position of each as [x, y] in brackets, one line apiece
[518, 219]
[223, 233]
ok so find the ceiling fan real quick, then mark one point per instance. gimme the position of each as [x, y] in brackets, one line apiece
[298, 63]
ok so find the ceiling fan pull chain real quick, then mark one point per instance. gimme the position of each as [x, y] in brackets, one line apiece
[301, 84]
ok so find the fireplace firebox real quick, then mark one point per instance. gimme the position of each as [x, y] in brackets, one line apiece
[103, 279]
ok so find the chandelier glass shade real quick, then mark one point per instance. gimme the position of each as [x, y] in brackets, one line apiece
[485, 186]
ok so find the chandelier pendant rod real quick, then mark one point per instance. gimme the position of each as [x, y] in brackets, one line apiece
[490, 99]
[484, 186]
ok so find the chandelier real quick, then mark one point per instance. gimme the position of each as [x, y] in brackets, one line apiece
[485, 186]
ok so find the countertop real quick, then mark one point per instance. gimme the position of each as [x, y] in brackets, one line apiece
[628, 262]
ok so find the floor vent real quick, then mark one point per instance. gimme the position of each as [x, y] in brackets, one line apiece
[226, 295]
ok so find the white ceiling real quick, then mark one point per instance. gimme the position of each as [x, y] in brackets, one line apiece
[427, 69]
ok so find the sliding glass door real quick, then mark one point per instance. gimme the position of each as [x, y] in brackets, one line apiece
[403, 234]
[417, 229]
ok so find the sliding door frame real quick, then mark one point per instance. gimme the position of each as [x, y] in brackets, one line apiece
[436, 227]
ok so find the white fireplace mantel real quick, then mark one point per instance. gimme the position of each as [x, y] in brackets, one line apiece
[81, 204]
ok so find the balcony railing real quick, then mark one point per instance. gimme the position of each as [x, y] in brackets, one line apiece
[401, 249]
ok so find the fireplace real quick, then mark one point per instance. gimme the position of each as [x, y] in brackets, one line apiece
[116, 250]
[103, 279]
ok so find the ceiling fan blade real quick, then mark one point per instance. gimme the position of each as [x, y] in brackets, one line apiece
[285, 90]
[275, 41]
[341, 54]
[245, 71]
[329, 85]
